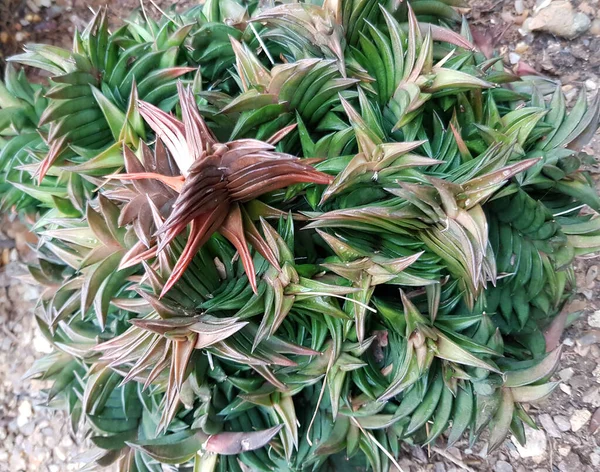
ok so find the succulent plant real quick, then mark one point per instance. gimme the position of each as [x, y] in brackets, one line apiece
[295, 236]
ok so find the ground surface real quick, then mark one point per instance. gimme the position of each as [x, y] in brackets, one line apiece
[34, 439]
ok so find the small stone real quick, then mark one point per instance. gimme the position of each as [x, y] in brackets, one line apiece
[582, 350]
[503, 466]
[559, 18]
[589, 338]
[454, 452]
[585, 7]
[579, 419]
[595, 27]
[40, 343]
[549, 425]
[60, 454]
[590, 85]
[439, 467]
[592, 396]
[25, 412]
[535, 445]
[566, 374]
[539, 4]
[564, 450]
[570, 464]
[579, 381]
[17, 462]
[50, 442]
[562, 423]
[565, 388]
[418, 454]
[595, 459]
[594, 319]
[28, 428]
[521, 47]
[568, 341]
[519, 7]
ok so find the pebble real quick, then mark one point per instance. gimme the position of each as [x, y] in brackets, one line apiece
[25, 412]
[589, 338]
[565, 388]
[50, 442]
[559, 18]
[594, 319]
[503, 466]
[519, 7]
[571, 463]
[17, 462]
[582, 349]
[535, 444]
[41, 344]
[592, 396]
[595, 27]
[28, 428]
[579, 419]
[579, 381]
[562, 423]
[418, 454]
[564, 450]
[566, 374]
[586, 8]
[549, 425]
[521, 47]
[60, 454]
[514, 58]
[455, 452]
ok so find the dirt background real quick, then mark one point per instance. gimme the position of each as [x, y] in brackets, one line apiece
[35, 439]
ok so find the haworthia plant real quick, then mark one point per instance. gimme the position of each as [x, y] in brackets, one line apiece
[294, 236]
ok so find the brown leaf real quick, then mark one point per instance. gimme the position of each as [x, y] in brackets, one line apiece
[233, 229]
[553, 333]
[236, 443]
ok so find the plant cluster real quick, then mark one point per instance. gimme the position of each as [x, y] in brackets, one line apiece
[294, 236]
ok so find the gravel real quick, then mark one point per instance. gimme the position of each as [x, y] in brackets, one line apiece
[32, 438]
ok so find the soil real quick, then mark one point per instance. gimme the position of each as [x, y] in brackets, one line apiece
[35, 439]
